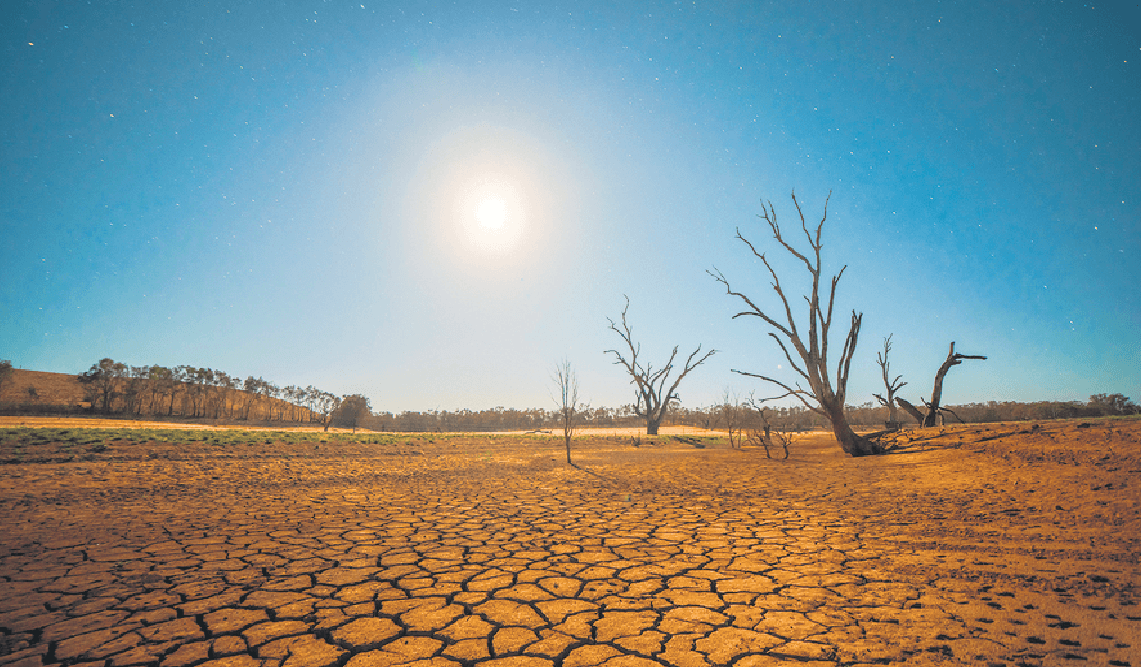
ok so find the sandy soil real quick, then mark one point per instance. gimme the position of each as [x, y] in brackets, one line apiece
[1013, 544]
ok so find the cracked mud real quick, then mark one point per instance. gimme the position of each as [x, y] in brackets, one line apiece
[996, 544]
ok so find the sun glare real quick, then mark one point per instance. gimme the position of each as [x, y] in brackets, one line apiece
[491, 213]
[482, 193]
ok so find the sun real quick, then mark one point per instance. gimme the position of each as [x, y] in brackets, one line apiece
[491, 213]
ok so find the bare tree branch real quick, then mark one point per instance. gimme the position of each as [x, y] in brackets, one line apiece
[892, 385]
[822, 396]
[566, 384]
[801, 394]
[653, 399]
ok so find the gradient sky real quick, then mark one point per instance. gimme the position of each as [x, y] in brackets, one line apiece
[287, 190]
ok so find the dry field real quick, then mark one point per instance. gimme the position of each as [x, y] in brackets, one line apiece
[1009, 544]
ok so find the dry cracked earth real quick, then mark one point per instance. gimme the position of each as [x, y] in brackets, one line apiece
[1005, 544]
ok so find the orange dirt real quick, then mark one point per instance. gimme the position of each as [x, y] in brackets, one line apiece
[996, 544]
[54, 389]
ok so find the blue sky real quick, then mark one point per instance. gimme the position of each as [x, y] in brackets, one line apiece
[288, 191]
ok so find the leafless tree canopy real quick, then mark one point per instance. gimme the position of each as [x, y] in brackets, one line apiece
[733, 414]
[810, 344]
[566, 385]
[652, 397]
[760, 434]
[892, 385]
[783, 439]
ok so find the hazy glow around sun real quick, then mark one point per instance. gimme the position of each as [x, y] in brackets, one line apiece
[484, 195]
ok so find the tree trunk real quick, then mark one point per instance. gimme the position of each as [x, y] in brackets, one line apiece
[568, 447]
[937, 395]
[652, 425]
[852, 444]
[911, 410]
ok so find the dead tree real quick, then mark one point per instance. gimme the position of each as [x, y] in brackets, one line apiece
[765, 436]
[784, 440]
[892, 385]
[764, 424]
[811, 346]
[757, 438]
[928, 419]
[733, 412]
[952, 359]
[566, 384]
[911, 410]
[761, 436]
[653, 399]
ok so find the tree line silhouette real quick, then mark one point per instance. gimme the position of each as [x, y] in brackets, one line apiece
[115, 388]
[785, 419]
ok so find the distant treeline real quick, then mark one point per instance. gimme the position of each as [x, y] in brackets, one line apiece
[870, 415]
[497, 419]
[116, 388]
[110, 387]
[717, 416]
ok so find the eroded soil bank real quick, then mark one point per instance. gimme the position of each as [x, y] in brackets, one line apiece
[999, 544]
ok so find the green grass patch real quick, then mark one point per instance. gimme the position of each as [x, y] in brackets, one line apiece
[101, 439]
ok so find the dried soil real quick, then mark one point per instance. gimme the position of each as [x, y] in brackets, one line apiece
[1011, 544]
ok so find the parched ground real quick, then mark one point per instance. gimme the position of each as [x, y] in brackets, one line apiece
[1013, 544]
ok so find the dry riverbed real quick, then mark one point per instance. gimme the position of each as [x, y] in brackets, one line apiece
[1012, 544]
